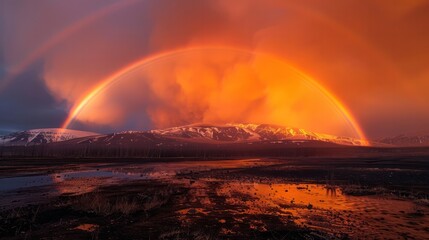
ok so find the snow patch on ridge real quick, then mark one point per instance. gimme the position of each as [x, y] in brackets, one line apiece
[43, 135]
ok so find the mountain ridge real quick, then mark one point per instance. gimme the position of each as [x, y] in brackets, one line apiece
[218, 134]
[405, 140]
[194, 133]
[42, 135]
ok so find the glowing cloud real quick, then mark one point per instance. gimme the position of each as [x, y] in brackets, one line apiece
[156, 58]
[370, 55]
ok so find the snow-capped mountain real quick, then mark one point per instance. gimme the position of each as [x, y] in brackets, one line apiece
[39, 136]
[198, 140]
[217, 134]
[250, 133]
[177, 136]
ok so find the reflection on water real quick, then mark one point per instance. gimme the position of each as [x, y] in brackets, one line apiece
[285, 196]
[331, 191]
[23, 190]
[131, 172]
[14, 183]
[312, 206]
[251, 203]
[87, 227]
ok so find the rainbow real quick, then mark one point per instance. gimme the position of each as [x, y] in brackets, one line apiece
[386, 63]
[118, 5]
[150, 59]
[62, 35]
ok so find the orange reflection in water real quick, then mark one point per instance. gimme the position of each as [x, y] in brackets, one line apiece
[325, 208]
[283, 197]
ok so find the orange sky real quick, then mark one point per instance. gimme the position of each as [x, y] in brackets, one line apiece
[371, 56]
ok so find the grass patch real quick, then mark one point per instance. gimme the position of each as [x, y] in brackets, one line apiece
[101, 204]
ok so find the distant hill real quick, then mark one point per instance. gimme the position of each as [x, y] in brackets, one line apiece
[197, 140]
[39, 136]
[421, 140]
[219, 134]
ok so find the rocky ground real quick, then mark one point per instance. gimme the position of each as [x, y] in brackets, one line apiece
[353, 198]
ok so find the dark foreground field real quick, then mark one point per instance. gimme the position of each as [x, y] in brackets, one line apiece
[296, 198]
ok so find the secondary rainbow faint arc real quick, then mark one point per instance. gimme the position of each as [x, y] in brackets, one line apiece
[116, 76]
[62, 35]
[104, 11]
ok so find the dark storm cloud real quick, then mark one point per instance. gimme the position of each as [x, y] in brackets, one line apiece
[27, 103]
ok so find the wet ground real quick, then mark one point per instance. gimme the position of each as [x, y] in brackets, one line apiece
[312, 198]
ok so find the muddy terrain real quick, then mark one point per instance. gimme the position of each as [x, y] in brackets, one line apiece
[295, 198]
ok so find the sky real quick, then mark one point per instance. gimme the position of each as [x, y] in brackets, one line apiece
[353, 68]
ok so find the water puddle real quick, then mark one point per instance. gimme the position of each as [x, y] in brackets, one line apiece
[238, 203]
[22, 190]
[317, 206]
[87, 227]
[15, 183]
[131, 172]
